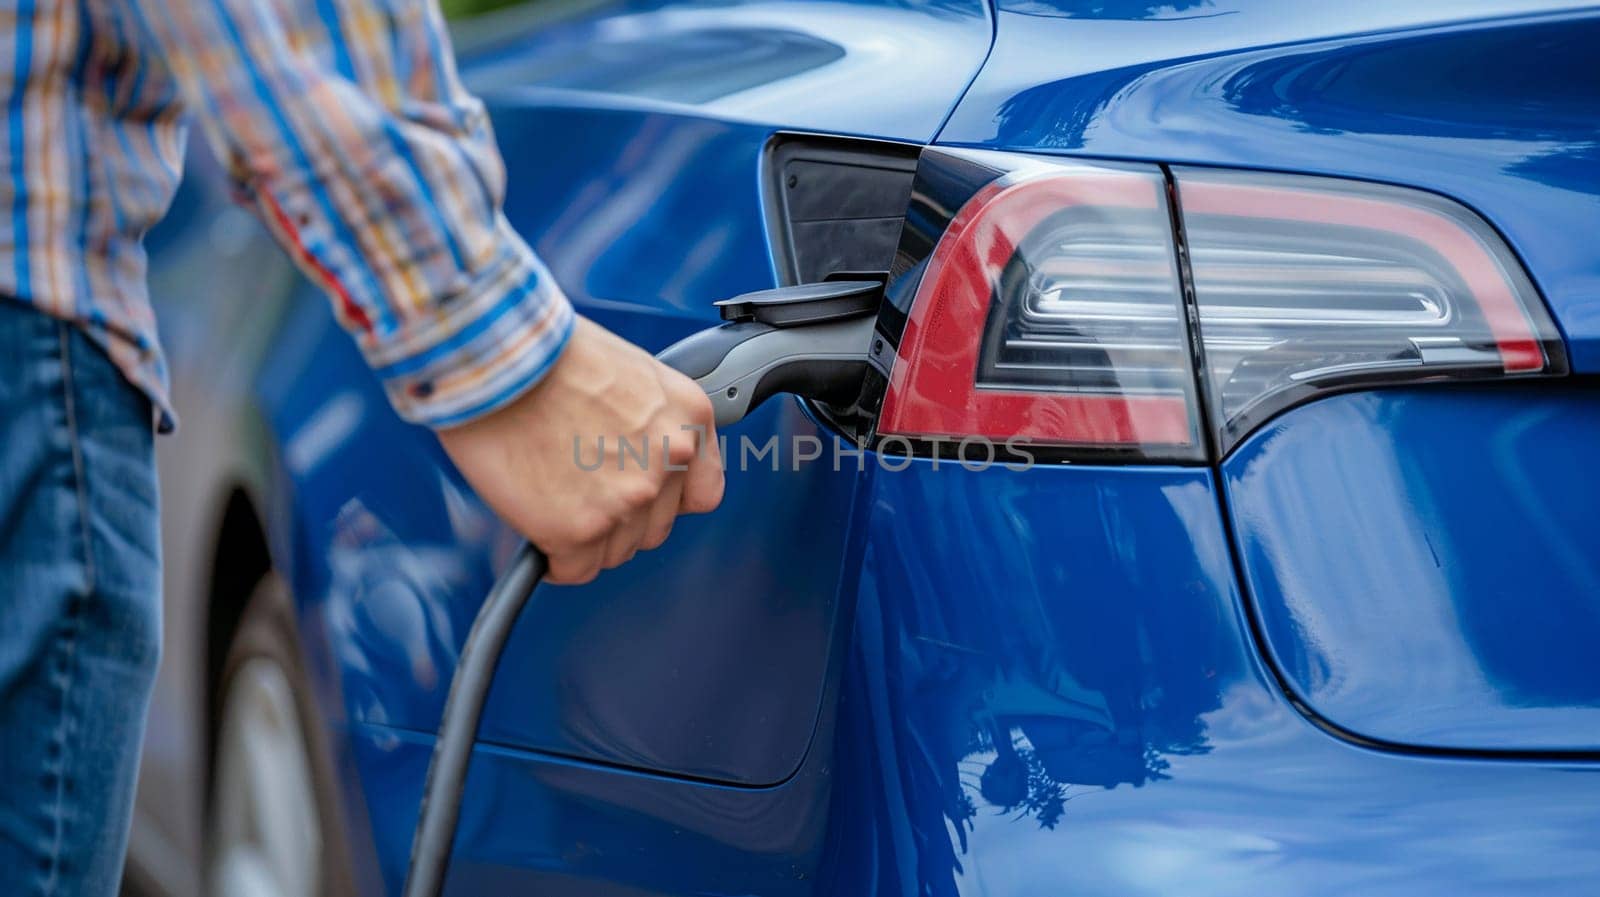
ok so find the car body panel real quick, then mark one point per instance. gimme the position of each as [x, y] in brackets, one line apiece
[1079, 587]
[1490, 102]
[1089, 615]
[1423, 562]
[872, 68]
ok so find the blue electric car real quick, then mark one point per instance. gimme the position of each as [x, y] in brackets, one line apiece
[1293, 587]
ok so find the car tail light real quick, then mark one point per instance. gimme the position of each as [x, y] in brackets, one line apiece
[1052, 307]
[1051, 311]
[1306, 284]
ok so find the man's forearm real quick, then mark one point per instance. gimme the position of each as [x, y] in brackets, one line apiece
[349, 134]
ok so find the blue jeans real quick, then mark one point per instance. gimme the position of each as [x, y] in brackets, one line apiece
[80, 606]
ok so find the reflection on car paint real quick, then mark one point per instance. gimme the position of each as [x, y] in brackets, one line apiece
[1078, 582]
[1422, 563]
[1055, 692]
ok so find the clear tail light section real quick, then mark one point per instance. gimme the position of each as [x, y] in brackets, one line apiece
[1050, 311]
[1067, 305]
[1304, 284]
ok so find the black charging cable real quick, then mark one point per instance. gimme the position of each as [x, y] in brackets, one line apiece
[469, 689]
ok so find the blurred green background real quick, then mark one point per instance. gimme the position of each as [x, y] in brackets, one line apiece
[457, 9]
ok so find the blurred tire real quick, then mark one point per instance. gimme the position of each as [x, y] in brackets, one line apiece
[273, 823]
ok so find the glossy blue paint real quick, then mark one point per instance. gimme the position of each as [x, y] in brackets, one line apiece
[644, 217]
[875, 68]
[1055, 691]
[705, 658]
[1491, 102]
[1423, 562]
[533, 822]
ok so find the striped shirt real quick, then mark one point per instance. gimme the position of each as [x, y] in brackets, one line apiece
[345, 129]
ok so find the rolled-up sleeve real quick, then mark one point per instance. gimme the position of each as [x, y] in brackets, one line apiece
[346, 129]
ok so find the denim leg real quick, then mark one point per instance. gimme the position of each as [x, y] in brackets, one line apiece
[80, 608]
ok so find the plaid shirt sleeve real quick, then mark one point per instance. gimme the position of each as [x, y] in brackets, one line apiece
[347, 130]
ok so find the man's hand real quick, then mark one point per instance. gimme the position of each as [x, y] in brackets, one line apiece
[523, 461]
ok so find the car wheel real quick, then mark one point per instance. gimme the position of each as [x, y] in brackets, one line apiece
[273, 824]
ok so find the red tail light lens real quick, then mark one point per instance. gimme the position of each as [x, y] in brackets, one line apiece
[1309, 284]
[1050, 311]
[1051, 305]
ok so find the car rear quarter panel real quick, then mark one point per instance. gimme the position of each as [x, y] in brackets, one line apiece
[1066, 691]
[1056, 691]
[1425, 566]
